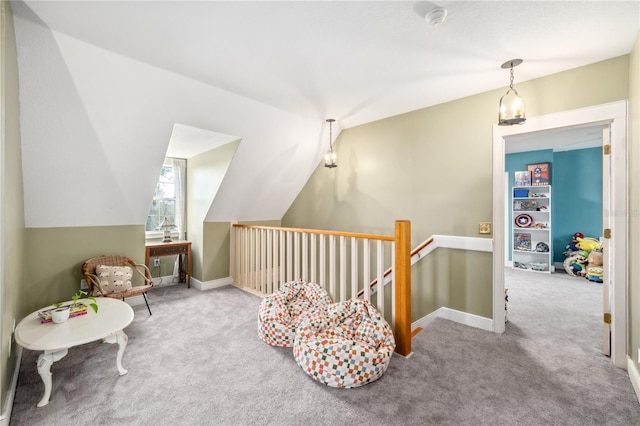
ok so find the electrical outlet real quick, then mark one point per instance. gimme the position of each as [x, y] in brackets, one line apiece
[638, 355]
[83, 284]
[156, 261]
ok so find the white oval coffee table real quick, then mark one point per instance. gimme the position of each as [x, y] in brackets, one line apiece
[56, 339]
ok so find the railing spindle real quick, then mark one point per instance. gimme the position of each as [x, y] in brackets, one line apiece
[380, 275]
[323, 265]
[354, 267]
[366, 271]
[282, 259]
[305, 257]
[312, 275]
[332, 267]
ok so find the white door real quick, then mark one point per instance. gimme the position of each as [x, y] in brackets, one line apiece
[607, 248]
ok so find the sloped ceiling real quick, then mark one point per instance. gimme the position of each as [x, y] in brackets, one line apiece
[102, 85]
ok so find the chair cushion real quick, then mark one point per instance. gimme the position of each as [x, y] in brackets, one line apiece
[280, 312]
[344, 345]
[113, 279]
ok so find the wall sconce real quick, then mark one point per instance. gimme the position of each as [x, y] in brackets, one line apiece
[166, 227]
[511, 106]
[330, 156]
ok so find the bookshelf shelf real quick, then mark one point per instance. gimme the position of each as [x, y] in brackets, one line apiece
[531, 248]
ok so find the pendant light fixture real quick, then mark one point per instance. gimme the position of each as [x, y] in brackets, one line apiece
[511, 106]
[330, 156]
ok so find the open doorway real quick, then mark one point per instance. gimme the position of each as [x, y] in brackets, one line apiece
[574, 185]
[614, 117]
[551, 293]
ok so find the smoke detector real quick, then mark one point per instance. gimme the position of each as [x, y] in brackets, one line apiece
[436, 16]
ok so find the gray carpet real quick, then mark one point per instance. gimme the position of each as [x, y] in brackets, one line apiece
[198, 361]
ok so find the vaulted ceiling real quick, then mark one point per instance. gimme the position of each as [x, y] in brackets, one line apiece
[104, 83]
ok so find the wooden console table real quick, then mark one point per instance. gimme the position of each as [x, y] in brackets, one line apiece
[173, 248]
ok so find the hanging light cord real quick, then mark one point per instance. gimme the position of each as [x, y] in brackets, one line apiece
[511, 84]
[331, 136]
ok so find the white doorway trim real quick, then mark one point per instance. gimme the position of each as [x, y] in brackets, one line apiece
[615, 114]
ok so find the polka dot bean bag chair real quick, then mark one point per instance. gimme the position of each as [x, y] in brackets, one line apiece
[280, 313]
[345, 345]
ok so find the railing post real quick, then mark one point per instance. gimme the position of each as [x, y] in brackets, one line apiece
[402, 277]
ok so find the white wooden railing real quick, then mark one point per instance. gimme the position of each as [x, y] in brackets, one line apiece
[344, 263]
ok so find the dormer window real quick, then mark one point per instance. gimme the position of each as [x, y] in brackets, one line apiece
[168, 200]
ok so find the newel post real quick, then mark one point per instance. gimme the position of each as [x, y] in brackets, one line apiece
[402, 277]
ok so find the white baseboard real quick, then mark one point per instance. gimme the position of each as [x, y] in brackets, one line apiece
[634, 376]
[5, 417]
[208, 285]
[455, 316]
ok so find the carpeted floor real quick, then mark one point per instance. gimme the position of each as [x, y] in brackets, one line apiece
[198, 361]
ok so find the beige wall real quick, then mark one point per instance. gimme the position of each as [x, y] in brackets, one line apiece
[204, 176]
[12, 259]
[434, 167]
[634, 200]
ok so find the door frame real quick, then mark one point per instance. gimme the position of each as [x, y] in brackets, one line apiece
[614, 114]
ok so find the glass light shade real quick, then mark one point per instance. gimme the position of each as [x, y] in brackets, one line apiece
[511, 109]
[330, 159]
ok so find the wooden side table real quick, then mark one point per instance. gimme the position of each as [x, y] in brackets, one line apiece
[173, 248]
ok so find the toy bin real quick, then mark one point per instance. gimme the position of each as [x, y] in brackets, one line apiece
[521, 193]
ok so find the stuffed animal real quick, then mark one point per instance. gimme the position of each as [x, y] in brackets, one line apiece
[594, 266]
[572, 247]
[577, 264]
[588, 244]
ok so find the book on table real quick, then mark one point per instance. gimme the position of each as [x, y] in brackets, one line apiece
[74, 311]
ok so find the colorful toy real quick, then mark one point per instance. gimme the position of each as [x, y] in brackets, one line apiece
[594, 266]
[588, 244]
[576, 264]
[572, 246]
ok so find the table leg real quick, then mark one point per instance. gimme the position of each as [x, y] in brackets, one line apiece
[182, 269]
[122, 340]
[45, 360]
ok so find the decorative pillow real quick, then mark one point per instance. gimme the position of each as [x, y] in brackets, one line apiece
[113, 279]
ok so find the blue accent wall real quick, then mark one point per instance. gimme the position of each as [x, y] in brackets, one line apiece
[576, 192]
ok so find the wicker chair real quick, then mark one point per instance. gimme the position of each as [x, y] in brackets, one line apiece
[96, 289]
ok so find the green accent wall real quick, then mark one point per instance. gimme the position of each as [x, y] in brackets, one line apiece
[216, 244]
[434, 167]
[13, 262]
[204, 176]
[633, 143]
[56, 256]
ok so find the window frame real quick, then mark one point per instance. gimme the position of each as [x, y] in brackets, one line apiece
[159, 234]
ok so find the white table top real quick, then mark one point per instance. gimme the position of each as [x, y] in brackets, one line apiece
[113, 315]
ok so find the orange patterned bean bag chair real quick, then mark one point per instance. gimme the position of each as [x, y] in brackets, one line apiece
[344, 345]
[280, 313]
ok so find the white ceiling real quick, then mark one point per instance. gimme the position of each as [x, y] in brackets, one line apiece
[270, 73]
[355, 61]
